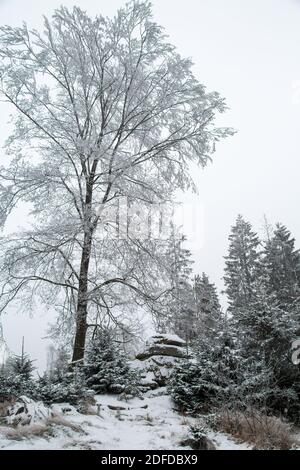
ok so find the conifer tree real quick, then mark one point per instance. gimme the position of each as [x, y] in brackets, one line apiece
[210, 379]
[264, 327]
[21, 365]
[266, 332]
[208, 310]
[107, 369]
[59, 364]
[282, 264]
[243, 265]
[181, 305]
[62, 383]
[18, 372]
[68, 388]
[177, 308]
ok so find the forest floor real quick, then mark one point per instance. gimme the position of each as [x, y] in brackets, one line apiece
[149, 424]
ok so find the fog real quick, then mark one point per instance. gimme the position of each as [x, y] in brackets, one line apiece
[249, 52]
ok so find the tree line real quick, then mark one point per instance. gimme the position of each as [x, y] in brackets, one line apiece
[247, 361]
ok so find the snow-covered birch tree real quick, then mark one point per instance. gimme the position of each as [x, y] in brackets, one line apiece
[104, 109]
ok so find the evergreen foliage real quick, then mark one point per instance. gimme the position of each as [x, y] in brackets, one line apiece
[251, 366]
[262, 290]
[70, 388]
[179, 315]
[107, 369]
[62, 383]
[243, 265]
[282, 265]
[16, 376]
[209, 379]
[209, 319]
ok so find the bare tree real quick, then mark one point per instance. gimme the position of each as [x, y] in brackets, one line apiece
[106, 109]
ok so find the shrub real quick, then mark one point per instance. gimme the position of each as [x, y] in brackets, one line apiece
[69, 389]
[265, 432]
[16, 379]
[107, 369]
[5, 405]
[198, 440]
[209, 379]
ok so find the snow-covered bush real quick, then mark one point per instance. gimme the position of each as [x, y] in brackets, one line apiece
[269, 388]
[265, 432]
[197, 439]
[16, 378]
[206, 381]
[62, 383]
[69, 389]
[107, 369]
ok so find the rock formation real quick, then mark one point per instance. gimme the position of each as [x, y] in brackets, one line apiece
[156, 362]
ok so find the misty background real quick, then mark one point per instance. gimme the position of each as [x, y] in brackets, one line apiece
[247, 51]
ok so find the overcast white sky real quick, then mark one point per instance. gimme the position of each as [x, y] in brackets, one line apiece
[249, 51]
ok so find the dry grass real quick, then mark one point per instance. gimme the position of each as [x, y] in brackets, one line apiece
[90, 410]
[86, 405]
[148, 418]
[59, 420]
[4, 405]
[32, 430]
[264, 432]
[185, 421]
[46, 429]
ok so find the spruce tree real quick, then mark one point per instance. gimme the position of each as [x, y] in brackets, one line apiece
[59, 365]
[210, 379]
[208, 310]
[282, 264]
[264, 326]
[267, 332]
[243, 265]
[107, 369]
[69, 387]
[179, 309]
[62, 383]
[18, 373]
[21, 366]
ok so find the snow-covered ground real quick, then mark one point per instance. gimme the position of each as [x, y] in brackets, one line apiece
[149, 424]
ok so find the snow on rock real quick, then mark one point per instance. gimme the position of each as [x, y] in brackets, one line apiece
[161, 350]
[63, 409]
[26, 411]
[148, 380]
[167, 339]
[156, 362]
[163, 345]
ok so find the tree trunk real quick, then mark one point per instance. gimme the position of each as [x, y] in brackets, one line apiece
[80, 335]
[82, 301]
